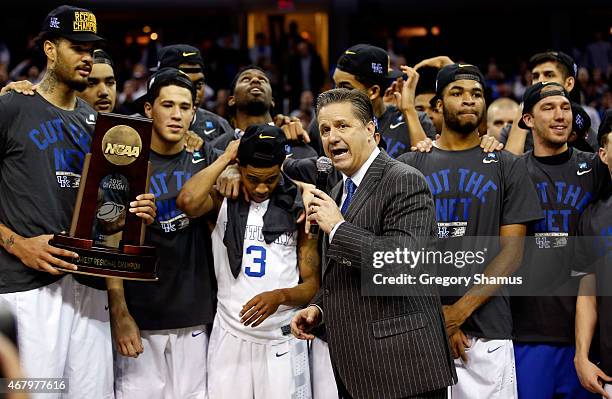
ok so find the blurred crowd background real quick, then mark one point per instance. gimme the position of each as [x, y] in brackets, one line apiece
[298, 41]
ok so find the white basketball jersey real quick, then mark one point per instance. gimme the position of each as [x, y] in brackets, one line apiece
[265, 267]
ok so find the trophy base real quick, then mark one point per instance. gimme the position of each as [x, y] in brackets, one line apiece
[132, 263]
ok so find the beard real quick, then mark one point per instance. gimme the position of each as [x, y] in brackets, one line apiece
[64, 74]
[451, 120]
[255, 107]
[77, 85]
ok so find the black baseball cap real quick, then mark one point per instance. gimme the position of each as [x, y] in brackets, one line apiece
[262, 146]
[174, 55]
[557, 56]
[453, 72]
[367, 61]
[101, 57]
[605, 127]
[164, 77]
[72, 23]
[537, 92]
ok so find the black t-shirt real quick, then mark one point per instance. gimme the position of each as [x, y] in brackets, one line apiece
[475, 194]
[209, 125]
[295, 150]
[42, 149]
[183, 295]
[594, 255]
[392, 128]
[566, 184]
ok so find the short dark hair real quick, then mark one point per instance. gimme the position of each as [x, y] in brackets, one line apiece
[360, 102]
[551, 56]
[240, 72]
[42, 37]
[168, 77]
[157, 89]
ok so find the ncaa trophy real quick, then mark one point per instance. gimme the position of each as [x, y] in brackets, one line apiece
[109, 239]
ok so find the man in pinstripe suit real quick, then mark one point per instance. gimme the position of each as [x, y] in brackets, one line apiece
[380, 346]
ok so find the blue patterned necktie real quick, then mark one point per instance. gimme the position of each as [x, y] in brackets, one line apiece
[350, 188]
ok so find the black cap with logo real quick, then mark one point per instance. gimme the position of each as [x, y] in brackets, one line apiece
[367, 61]
[453, 72]
[101, 57]
[535, 93]
[72, 23]
[174, 55]
[262, 146]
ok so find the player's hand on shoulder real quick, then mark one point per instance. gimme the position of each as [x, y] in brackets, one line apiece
[304, 321]
[144, 207]
[231, 151]
[490, 144]
[260, 307]
[23, 87]
[228, 183]
[38, 254]
[193, 142]
[423, 145]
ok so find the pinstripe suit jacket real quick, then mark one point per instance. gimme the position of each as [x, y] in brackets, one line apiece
[383, 346]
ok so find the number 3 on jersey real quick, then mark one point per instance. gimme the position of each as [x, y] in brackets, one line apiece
[252, 271]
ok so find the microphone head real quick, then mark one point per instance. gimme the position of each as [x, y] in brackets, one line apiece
[324, 164]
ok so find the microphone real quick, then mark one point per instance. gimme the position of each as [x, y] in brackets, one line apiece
[324, 166]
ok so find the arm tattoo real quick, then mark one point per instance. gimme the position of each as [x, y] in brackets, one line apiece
[10, 242]
[7, 242]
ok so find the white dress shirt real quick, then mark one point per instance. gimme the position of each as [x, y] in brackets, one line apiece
[356, 178]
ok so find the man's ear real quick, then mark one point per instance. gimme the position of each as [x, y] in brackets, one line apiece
[231, 101]
[603, 153]
[371, 128]
[50, 49]
[374, 92]
[528, 119]
[272, 104]
[148, 110]
[569, 83]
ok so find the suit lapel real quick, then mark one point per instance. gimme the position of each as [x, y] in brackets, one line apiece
[370, 182]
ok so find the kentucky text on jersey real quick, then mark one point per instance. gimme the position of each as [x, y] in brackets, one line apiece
[167, 211]
[255, 233]
[474, 184]
[52, 134]
[566, 198]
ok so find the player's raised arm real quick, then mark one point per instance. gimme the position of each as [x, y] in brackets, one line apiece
[195, 197]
